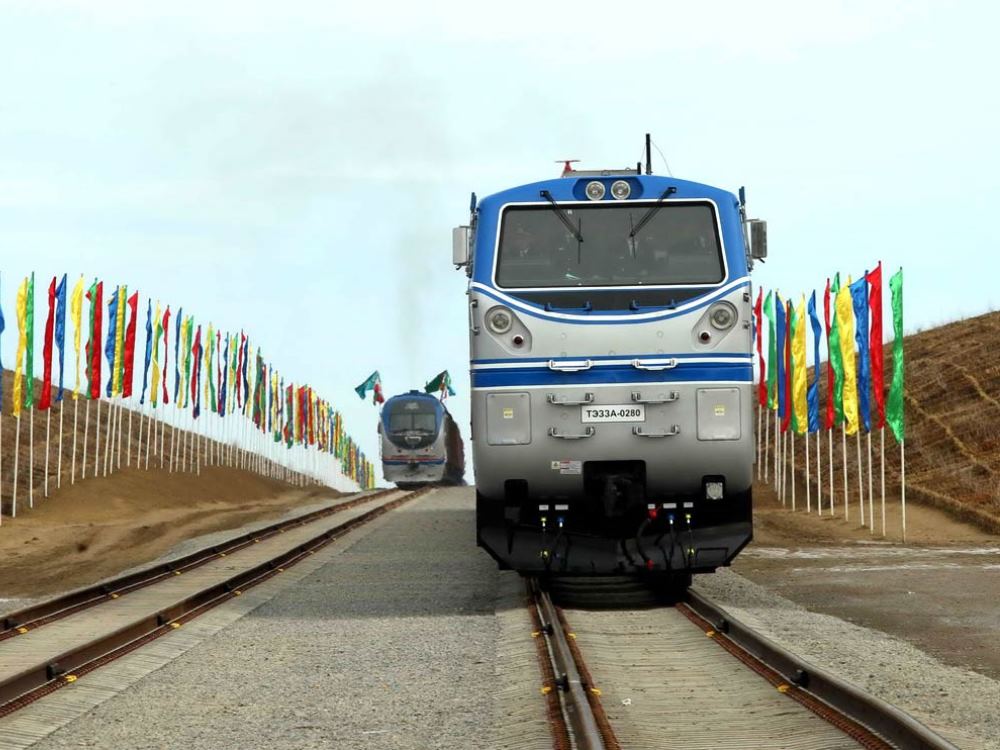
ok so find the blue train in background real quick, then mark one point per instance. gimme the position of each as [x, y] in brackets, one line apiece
[610, 329]
[420, 442]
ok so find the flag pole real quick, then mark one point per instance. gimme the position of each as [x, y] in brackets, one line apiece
[48, 432]
[121, 418]
[861, 477]
[109, 435]
[62, 405]
[792, 473]
[767, 441]
[17, 454]
[759, 413]
[128, 450]
[871, 498]
[902, 483]
[86, 430]
[31, 458]
[832, 479]
[173, 443]
[882, 466]
[162, 429]
[847, 494]
[97, 440]
[819, 471]
[808, 477]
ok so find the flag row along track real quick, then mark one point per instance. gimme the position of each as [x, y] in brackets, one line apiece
[56, 642]
[703, 679]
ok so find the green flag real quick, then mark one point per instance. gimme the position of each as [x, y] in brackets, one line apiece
[441, 383]
[772, 354]
[894, 406]
[29, 332]
[836, 360]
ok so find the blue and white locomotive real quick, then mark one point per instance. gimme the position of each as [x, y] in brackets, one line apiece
[610, 351]
[421, 443]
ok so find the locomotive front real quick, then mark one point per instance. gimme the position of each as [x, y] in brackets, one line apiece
[610, 339]
[413, 441]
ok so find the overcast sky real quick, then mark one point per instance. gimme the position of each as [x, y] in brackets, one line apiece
[295, 168]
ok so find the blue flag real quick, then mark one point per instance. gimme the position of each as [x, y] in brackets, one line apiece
[109, 343]
[779, 308]
[812, 395]
[859, 298]
[61, 330]
[149, 350]
[222, 389]
[177, 355]
[2, 325]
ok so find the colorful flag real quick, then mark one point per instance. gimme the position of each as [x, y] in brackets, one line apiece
[188, 332]
[154, 390]
[128, 365]
[166, 354]
[29, 357]
[859, 297]
[109, 344]
[830, 417]
[2, 326]
[876, 353]
[894, 406]
[441, 383]
[813, 395]
[772, 354]
[213, 403]
[787, 362]
[836, 357]
[196, 375]
[60, 333]
[800, 375]
[758, 335]
[245, 356]
[22, 343]
[118, 373]
[223, 382]
[93, 349]
[845, 327]
[178, 324]
[368, 385]
[76, 312]
[149, 350]
[45, 399]
[779, 309]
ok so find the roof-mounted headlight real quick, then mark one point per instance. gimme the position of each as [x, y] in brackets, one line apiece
[620, 190]
[595, 190]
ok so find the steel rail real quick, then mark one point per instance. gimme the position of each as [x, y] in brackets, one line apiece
[869, 720]
[589, 729]
[34, 616]
[64, 668]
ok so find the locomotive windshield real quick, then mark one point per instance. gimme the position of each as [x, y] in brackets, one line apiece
[678, 245]
[412, 416]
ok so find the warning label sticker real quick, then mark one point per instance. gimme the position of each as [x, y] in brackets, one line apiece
[568, 467]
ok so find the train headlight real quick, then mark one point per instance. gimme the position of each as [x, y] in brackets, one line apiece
[714, 489]
[595, 190]
[722, 315]
[499, 320]
[620, 190]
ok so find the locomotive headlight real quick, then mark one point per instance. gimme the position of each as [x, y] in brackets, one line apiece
[722, 316]
[620, 190]
[499, 320]
[595, 190]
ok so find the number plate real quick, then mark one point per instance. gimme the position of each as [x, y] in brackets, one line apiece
[613, 413]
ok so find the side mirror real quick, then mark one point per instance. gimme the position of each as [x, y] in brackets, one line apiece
[758, 239]
[460, 237]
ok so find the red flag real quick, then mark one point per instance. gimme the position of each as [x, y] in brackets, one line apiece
[95, 342]
[312, 432]
[166, 352]
[45, 400]
[875, 344]
[787, 356]
[829, 421]
[133, 306]
[762, 384]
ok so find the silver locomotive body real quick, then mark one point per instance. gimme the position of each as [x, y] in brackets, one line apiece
[611, 412]
[420, 442]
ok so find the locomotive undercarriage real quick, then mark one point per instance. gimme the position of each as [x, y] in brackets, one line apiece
[615, 527]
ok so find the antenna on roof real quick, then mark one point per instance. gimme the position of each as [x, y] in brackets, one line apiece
[649, 157]
[567, 165]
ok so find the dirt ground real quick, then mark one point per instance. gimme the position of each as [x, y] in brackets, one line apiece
[939, 591]
[100, 527]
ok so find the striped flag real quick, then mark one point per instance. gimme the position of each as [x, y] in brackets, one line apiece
[109, 344]
[800, 376]
[76, 312]
[813, 396]
[149, 350]
[859, 298]
[128, 347]
[45, 399]
[166, 354]
[772, 354]
[93, 349]
[759, 334]
[60, 333]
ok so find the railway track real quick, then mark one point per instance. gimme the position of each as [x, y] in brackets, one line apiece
[52, 644]
[691, 676]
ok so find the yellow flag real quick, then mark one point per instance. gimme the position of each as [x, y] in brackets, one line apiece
[117, 368]
[76, 313]
[158, 332]
[799, 369]
[22, 341]
[845, 326]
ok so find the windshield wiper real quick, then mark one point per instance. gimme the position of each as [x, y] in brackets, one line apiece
[562, 215]
[650, 213]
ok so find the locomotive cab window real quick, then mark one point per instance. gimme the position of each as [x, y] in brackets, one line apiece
[678, 245]
[413, 416]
